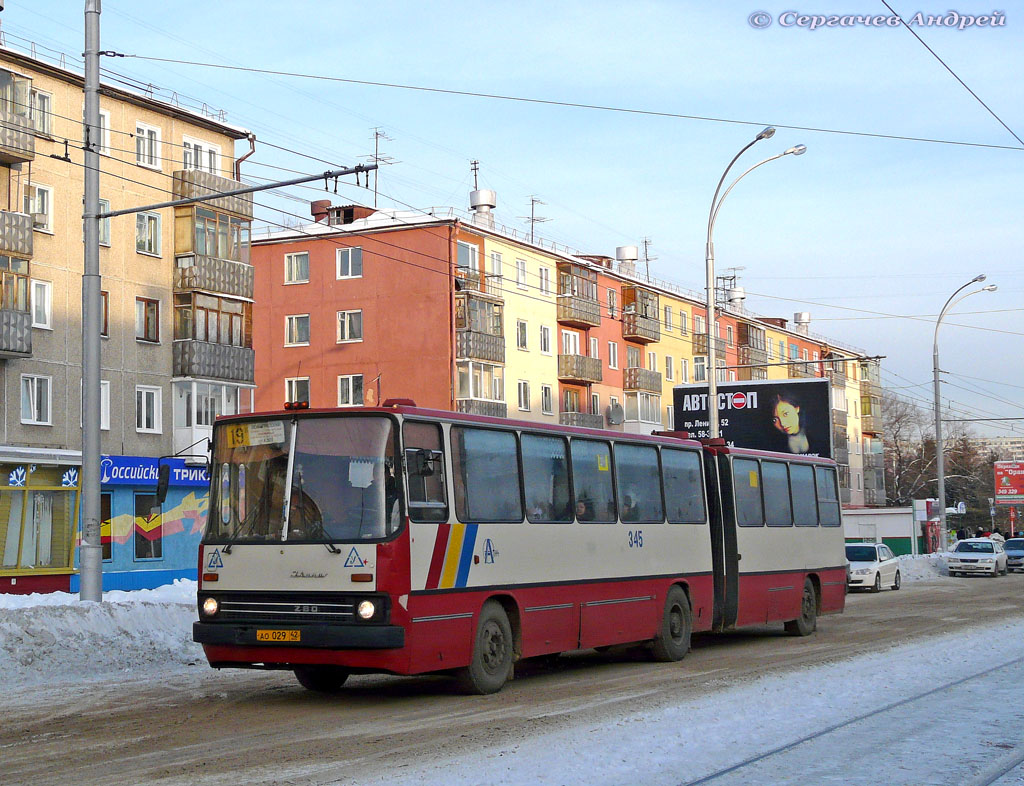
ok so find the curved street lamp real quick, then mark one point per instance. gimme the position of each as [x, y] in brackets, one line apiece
[939, 458]
[716, 204]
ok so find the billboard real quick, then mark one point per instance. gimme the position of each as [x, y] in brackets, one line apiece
[1009, 482]
[788, 416]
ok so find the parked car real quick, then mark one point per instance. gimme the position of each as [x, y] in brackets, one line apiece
[872, 565]
[1014, 553]
[977, 555]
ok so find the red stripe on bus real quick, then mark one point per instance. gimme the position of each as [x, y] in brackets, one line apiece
[437, 559]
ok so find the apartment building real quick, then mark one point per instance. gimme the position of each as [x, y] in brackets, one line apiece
[461, 313]
[176, 323]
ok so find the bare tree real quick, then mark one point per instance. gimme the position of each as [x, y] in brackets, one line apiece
[909, 468]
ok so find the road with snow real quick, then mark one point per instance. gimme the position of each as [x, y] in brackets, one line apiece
[920, 686]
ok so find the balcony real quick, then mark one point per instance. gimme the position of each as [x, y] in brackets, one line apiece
[869, 388]
[639, 328]
[475, 406]
[874, 496]
[839, 417]
[641, 379]
[578, 311]
[210, 274]
[580, 419]
[579, 368]
[801, 370]
[15, 233]
[213, 361]
[475, 345]
[191, 183]
[844, 495]
[15, 333]
[870, 424]
[841, 455]
[17, 139]
[874, 461]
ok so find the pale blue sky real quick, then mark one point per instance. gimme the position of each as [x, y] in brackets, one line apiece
[882, 225]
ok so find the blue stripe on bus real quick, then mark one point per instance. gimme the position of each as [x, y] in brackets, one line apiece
[468, 542]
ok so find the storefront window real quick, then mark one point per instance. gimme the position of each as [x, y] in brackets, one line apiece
[38, 508]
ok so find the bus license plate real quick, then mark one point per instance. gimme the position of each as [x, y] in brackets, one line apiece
[279, 635]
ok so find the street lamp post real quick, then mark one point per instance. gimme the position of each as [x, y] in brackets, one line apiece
[939, 458]
[716, 203]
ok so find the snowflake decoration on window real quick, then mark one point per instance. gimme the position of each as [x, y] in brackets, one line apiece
[70, 478]
[17, 477]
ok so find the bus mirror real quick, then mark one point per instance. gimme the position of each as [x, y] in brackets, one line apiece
[422, 462]
[162, 482]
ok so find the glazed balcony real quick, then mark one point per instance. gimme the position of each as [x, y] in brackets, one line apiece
[641, 379]
[578, 311]
[801, 370]
[579, 368]
[191, 183]
[15, 333]
[17, 139]
[874, 461]
[869, 388]
[15, 234]
[475, 345]
[211, 274]
[580, 420]
[203, 360]
[639, 328]
[475, 406]
[874, 497]
[700, 346]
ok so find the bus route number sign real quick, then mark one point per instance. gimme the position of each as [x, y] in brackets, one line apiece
[244, 435]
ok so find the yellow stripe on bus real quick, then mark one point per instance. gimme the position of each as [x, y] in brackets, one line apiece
[451, 557]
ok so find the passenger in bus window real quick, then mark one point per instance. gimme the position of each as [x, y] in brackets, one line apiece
[583, 510]
[629, 509]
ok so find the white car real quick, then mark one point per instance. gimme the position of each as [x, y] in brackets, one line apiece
[977, 555]
[872, 565]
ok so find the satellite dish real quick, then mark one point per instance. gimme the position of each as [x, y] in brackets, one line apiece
[615, 415]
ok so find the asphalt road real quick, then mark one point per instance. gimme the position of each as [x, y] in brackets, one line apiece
[239, 727]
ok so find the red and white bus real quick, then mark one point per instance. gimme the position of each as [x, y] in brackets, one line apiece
[404, 540]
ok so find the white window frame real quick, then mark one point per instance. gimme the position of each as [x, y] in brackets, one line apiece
[37, 418]
[595, 348]
[670, 373]
[105, 223]
[36, 196]
[770, 346]
[523, 387]
[189, 146]
[347, 380]
[700, 369]
[104, 405]
[152, 239]
[345, 321]
[668, 318]
[613, 354]
[154, 395]
[347, 252]
[595, 403]
[290, 267]
[104, 140]
[47, 114]
[547, 400]
[290, 384]
[613, 303]
[683, 318]
[570, 341]
[652, 361]
[545, 340]
[521, 274]
[545, 280]
[699, 325]
[45, 290]
[522, 332]
[684, 370]
[290, 327]
[149, 136]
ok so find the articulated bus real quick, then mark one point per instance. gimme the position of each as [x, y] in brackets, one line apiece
[408, 541]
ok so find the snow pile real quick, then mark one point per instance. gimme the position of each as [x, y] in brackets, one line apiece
[47, 638]
[922, 566]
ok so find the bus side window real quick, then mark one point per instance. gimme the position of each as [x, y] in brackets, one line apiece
[424, 462]
[746, 481]
[805, 507]
[546, 478]
[778, 510]
[636, 471]
[485, 475]
[592, 481]
[684, 486]
[828, 501]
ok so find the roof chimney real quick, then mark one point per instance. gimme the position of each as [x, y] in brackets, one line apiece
[482, 201]
[319, 209]
[627, 257]
[803, 321]
[737, 295]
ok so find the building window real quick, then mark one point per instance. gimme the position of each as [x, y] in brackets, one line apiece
[684, 370]
[147, 233]
[545, 281]
[148, 409]
[729, 335]
[803, 354]
[105, 223]
[147, 319]
[42, 112]
[699, 369]
[521, 274]
[570, 342]
[643, 407]
[595, 348]
[296, 389]
[670, 418]
[296, 268]
[215, 320]
[200, 155]
[148, 528]
[36, 399]
[668, 317]
[698, 325]
[545, 340]
[524, 395]
[350, 326]
[480, 381]
[350, 390]
[546, 402]
[595, 404]
[652, 361]
[42, 304]
[770, 346]
[105, 308]
[147, 146]
[682, 322]
[570, 400]
[612, 303]
[496, 267]
[632, 357]
[613, 354]
[296, 330]
[104, 140]
[466, 257]
[520, 334]
[38, 203]
[669, 371]
[104, 405]
[350, 262]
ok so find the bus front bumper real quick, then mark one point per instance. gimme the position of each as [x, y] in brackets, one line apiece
[342, 637]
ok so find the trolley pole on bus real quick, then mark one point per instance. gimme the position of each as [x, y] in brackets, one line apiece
[716, 203]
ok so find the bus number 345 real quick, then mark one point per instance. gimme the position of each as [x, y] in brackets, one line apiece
[636, 538]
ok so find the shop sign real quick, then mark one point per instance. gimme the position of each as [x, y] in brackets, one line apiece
[144, 471]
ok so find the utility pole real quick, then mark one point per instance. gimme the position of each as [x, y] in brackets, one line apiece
[91, 550]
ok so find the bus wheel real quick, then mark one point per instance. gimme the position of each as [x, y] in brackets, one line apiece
[673, 639]
[322, 679]
[805, 624]
[491, 665]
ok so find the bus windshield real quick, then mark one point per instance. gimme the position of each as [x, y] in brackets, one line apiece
[315, 479]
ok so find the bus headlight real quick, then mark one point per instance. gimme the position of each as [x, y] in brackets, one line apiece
[366, 609]
[210, 607]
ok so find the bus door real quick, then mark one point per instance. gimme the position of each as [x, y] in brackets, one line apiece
[723, 541]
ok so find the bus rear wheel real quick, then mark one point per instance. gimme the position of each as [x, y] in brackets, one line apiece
[491, 664]
[805, 624]
[322, 679]
[673, 639]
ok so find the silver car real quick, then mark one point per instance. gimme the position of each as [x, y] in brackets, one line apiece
[1014, 553]
[982, 556]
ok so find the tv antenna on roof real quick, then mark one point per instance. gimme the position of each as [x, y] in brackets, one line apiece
[533, 218]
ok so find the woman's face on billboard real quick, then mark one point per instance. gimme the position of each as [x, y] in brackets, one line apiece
[786, 418]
